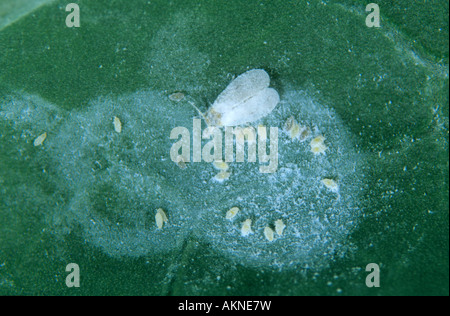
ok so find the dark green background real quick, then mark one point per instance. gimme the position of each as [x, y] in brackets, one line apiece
[406, 234]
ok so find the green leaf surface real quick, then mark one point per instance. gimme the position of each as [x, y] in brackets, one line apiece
[88, 194]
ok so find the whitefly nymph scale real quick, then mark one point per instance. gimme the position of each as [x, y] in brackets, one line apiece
[160, 218]
[40, 139]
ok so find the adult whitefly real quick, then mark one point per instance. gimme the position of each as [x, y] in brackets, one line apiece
[246, 99]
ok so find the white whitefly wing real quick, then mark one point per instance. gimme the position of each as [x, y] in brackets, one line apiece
[251, 109]
[241, 88]
[246, 99]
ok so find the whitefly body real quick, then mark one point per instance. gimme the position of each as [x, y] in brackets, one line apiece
[247, 98]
